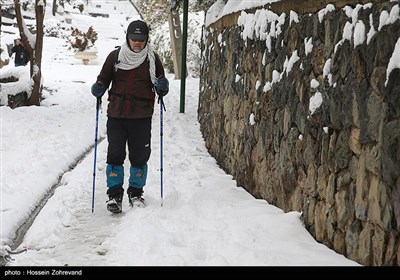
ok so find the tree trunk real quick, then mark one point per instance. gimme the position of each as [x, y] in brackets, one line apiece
[54, 8]
[35, 52]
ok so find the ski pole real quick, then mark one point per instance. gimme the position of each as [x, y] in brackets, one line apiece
[162, 106]
[98, 104]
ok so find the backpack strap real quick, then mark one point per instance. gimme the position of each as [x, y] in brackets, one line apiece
[116, 61]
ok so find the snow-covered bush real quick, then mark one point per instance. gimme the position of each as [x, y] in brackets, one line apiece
[160, 39]
[78, 4]
[195, 22]
[52, 28]
[14, 81]
[81, 41]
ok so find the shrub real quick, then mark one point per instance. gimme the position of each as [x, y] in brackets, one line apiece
[52, 28]
[82, 41]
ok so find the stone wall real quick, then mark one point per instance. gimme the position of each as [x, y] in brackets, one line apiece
[303, 109]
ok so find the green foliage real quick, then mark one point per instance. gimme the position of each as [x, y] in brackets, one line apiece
[194, 6]
[161, 42]
[201, 5]
[154, 12]
[81, 8]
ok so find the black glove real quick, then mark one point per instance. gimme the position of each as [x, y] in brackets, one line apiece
[162, 86]
[98, 89]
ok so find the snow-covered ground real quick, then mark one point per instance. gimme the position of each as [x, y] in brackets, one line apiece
[205, 219]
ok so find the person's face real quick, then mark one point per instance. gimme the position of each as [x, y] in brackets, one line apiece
[137, 45]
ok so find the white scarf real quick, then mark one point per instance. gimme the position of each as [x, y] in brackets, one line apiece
[128, 59]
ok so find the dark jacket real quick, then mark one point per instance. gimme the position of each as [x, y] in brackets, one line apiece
[21, 55]
[132, 93]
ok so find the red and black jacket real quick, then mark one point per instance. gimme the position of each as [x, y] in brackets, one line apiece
[131, 94]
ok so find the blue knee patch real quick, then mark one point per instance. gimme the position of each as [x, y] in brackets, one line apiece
[138, 176]
[115, 175]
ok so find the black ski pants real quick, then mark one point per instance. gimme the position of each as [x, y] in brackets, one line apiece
[134, 132]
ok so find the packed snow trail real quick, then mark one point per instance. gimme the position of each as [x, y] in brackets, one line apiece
[186, 225]
[205, 218]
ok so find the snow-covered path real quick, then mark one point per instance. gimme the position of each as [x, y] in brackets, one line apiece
[205, 218]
